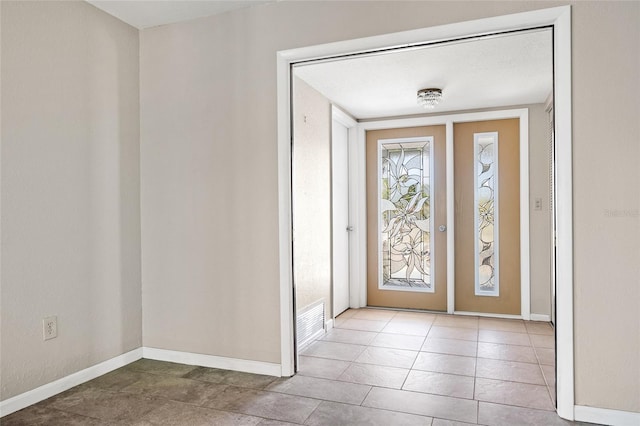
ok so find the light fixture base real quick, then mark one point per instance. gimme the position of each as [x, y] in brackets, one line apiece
[429, 97]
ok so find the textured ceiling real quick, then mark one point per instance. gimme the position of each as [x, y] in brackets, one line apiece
[150, 13]
[495, 71]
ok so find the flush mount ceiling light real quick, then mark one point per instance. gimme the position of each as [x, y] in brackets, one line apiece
[429, 98]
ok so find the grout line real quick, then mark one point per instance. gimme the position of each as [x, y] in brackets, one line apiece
[366, 396]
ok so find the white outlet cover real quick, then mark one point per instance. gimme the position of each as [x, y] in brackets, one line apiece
[50, 327]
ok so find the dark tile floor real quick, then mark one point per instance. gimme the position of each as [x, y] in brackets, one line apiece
[376, 367]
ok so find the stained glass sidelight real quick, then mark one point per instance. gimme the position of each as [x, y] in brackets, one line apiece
[486, 213]
[406, 188]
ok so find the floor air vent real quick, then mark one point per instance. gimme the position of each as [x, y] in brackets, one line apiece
[309, 324]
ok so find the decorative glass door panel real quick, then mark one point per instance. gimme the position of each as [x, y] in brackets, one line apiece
[485, 152]
[406, 194]
[406, 204]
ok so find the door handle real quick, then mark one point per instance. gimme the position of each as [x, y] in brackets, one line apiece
[349, 228]
[442, 228]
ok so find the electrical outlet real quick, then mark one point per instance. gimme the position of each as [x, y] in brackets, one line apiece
[50, 327]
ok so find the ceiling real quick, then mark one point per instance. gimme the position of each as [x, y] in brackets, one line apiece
[498, 71]
[151, 13]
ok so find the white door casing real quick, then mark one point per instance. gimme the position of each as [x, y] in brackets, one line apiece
[559, 18]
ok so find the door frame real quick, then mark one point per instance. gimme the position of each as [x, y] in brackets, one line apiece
[559, 18]
[449, 120]
[347, 121]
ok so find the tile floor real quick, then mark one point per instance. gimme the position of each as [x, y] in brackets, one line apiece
[376, 367]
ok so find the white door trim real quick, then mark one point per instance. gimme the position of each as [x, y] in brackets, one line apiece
[449, 120]
[560, 19]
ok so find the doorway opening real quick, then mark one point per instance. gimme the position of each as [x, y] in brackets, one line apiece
[559, 19]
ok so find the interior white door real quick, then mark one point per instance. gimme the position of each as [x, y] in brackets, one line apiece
[340, 216]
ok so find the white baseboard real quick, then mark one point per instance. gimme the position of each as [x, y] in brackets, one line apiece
[43, 392]
[482, 314]
[606, 416]
[212, 361]
[328, 325]
[540, 317]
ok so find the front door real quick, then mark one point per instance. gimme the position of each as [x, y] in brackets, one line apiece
[406, 204]
[487, 216]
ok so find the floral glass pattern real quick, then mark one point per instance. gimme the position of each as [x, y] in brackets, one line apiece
[405, 209]
[486, 214]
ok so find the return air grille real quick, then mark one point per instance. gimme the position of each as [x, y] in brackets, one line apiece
[310, 324]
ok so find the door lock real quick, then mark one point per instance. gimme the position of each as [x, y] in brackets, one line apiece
[442, 228]
[349, 228]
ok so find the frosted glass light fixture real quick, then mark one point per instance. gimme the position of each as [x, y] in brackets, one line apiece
[429, 98]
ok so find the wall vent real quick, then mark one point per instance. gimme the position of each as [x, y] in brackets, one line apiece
[309, 324]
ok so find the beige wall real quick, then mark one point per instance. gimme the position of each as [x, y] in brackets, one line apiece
[312, 196]
[606, 150]
[209, 175]
[70, 190]
[539, 220]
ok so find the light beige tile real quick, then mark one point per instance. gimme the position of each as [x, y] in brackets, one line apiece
[442, 422]
[534, 327]
[512, 393]
[321, 367]
[349, 313]
[546, 356]
[543, 341]
[398, 341]
[334, 414]
[270, 422]
[339, 322]
[413, 328]
[361, 324]
[504, 415]
[504, 337]
[375, 375]
[456, 321]
[549, 372]
[440, 384]
[498, 324]
[374, 314]
[354, 337]
[509, 370]
[443, 363]
[450, 346]
[453, 333]
[387, 356]
[333, 350]
[507, 352]
[422, 317]
[328, 390]
[444, 407]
